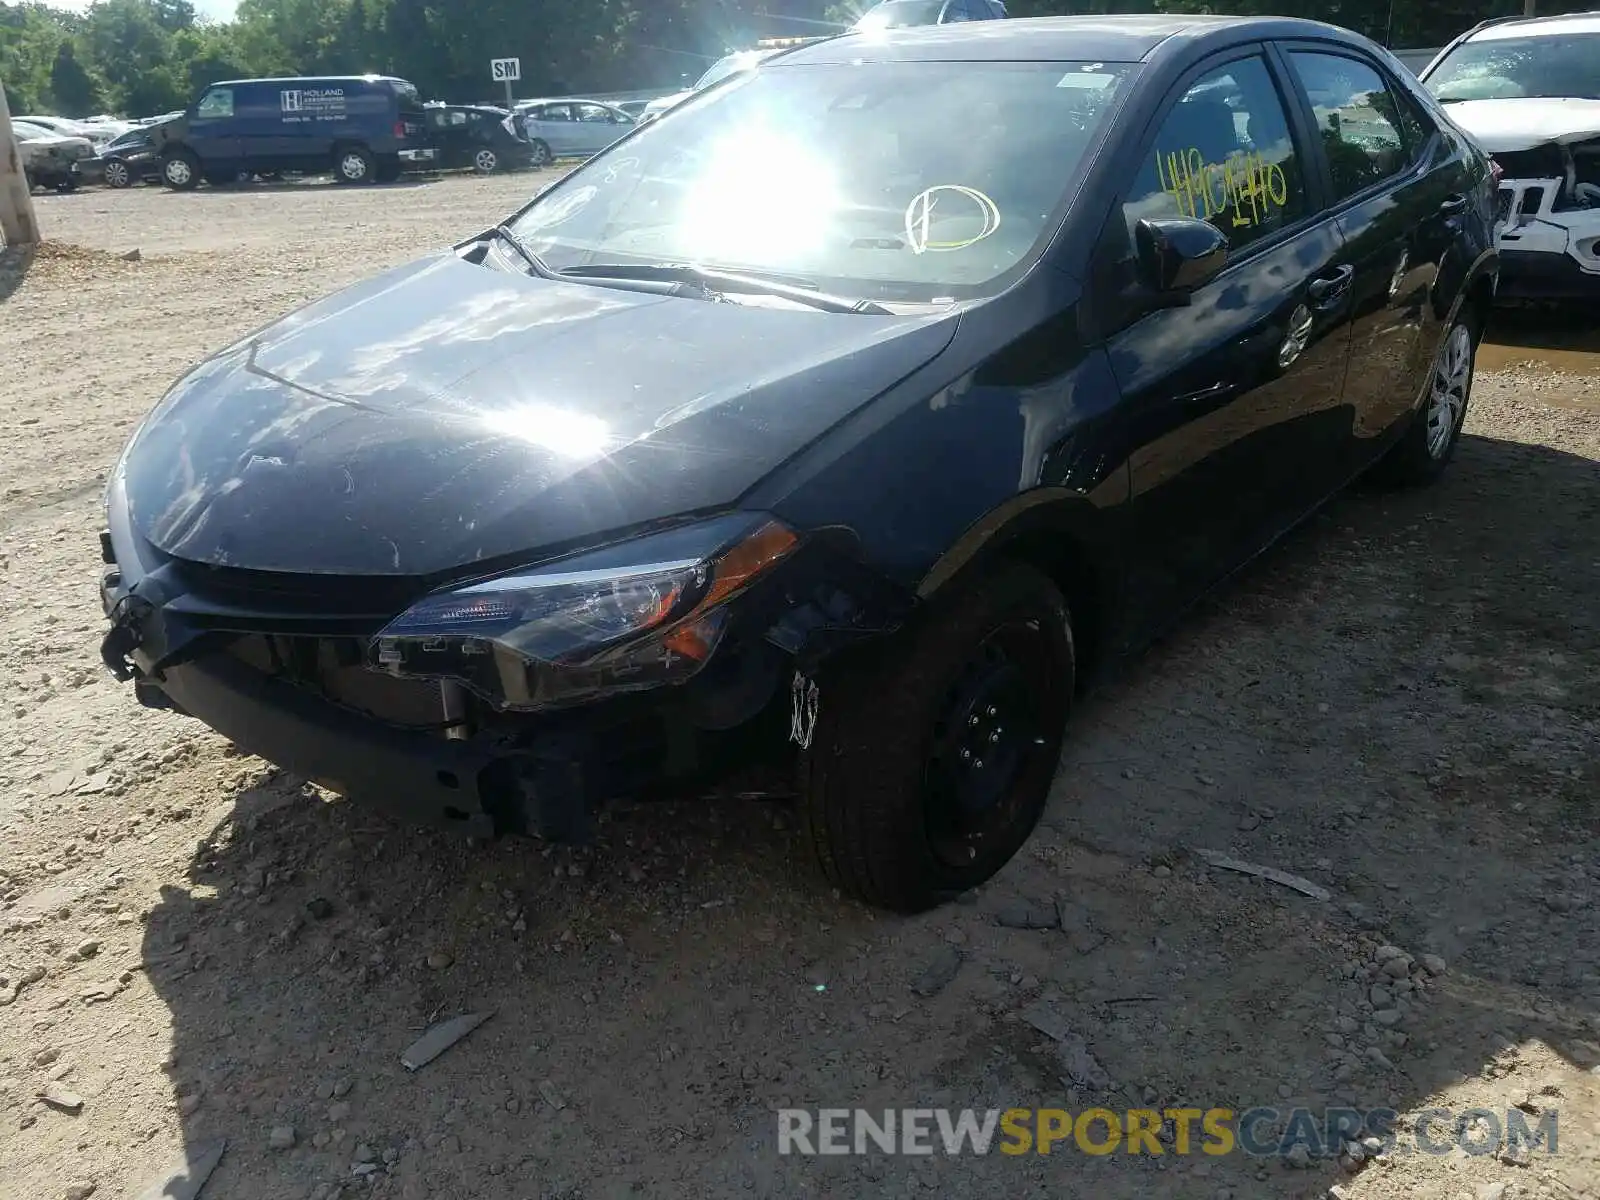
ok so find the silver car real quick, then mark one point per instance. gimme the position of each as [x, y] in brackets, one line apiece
[572, 128]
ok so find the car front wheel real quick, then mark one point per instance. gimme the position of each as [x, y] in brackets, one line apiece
[118, 175]
[181, 171]
[1426, 449]
[486, 161]
[929, 763]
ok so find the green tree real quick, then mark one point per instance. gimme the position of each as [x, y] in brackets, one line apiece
[75, 91]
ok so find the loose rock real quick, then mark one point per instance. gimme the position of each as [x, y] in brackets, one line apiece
[941, 969]
[281, 1137]
[59, 1097]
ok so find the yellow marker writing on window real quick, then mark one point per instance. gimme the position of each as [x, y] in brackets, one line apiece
[1244, 188]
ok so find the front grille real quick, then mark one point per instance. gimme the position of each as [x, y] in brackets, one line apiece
[293, 595]
[333, 669]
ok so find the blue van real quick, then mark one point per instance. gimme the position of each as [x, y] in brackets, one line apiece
[361, 128]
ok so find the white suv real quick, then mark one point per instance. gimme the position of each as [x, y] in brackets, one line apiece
[1528, 92]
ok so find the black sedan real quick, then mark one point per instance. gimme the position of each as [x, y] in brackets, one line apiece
[851, 416]
[478, 137]
[129, 159]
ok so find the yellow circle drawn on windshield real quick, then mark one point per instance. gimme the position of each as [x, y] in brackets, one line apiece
[919, 218]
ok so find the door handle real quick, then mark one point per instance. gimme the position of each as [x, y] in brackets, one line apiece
[1330, 289]
[1453, 206]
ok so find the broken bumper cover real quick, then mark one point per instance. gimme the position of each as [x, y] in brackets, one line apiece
[422, 778]
[175, 638]
[1546, 252]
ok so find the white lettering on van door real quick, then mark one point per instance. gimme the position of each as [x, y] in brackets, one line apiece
[312, 104]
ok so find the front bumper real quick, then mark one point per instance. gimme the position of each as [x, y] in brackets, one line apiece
[177, 637]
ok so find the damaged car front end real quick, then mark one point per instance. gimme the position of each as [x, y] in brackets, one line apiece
[1528, 92]
[515, 703]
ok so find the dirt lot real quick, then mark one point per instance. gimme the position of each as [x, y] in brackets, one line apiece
[1402, 705]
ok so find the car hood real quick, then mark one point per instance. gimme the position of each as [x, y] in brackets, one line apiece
[70, 146]
[1507, 126]
[446, 414]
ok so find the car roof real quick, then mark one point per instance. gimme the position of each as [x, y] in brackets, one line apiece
[311, 79]
[1053, 39]
[1552, 26]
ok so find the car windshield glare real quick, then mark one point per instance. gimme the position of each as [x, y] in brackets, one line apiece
[1515, 67]
[900, 14]
[732, 64]
[913, 181]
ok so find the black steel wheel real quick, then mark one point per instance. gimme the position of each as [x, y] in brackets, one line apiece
[931, 762]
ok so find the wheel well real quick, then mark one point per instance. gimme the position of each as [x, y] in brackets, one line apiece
[1073, 569]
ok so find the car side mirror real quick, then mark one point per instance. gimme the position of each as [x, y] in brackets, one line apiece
[1177, 255]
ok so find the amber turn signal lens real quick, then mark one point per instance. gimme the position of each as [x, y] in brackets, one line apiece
[748, 559]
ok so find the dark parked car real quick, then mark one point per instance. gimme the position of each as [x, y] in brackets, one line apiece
[362, 129]
[476, 136]
[129, 159]
[744, 441]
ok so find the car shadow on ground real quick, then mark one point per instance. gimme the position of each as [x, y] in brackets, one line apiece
[318, 184]
[1397, 706]
[1566, 327]
[14, 264]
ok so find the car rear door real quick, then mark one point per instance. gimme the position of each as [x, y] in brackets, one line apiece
[553, 125]
[1400, 190]
[1231, 400]
[447, 130]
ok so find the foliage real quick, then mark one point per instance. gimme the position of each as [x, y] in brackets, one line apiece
[141, 57]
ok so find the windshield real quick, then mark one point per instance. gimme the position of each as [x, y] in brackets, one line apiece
[1513, 67]
[900, 14]
[914, 181]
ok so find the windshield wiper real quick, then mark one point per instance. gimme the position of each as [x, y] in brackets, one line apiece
[711, 281]
[536, 264]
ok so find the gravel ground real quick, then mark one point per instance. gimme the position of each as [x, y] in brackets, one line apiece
[1400, 705]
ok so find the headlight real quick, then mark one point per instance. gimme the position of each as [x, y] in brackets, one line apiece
[628, 617]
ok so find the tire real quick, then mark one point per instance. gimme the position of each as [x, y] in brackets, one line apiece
[890, 798]
[1422, 454]
[180, 171]
[539, 153]
[118, 175]
[485, 161]
[354, 164]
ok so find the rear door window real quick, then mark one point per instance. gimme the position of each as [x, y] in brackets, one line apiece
[1358, 120]
[1224, 154]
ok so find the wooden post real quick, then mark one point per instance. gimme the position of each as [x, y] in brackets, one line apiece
[18, 225]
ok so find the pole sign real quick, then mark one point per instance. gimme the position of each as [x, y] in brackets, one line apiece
[506, 71]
